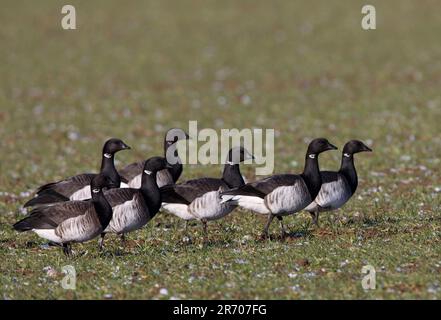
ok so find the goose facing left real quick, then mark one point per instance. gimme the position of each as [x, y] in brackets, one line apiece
[77, 187]
[71, 221]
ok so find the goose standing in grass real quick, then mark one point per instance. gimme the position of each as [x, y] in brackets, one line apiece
[77, 187]
[133, 172]
[282, 194]
[71, 221]
[338, 187]
[199, 199]
[133, 208]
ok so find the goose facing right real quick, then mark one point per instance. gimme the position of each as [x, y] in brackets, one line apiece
[71, 221]
[338, 187]
[199, 199]
[77, 187]
[282, 194]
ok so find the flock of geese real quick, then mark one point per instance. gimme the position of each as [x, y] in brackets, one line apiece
[87, 205]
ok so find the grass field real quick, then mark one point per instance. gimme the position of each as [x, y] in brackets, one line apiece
[305, 68]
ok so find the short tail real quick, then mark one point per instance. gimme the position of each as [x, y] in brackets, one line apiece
[47, 196]
[228, 198]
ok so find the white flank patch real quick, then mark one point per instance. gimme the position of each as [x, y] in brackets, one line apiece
[48, 234]
[178, 209]
[312, 207]
[82, 194]
[124, 185]
[255, 204]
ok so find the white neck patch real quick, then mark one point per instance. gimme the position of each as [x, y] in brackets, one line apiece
[108, 155]
[312, 156]
[347, 155]
[148, 172]
[95, 190]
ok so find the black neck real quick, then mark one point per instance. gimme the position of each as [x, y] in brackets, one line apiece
[311, 175]
[176, 168]
[102, 209]
[347, 169]
[232, 176]
[108, 169]
[150, 193]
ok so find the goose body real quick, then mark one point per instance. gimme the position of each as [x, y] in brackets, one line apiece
[134, 208]
[199, 199]
[282, 194]
[71, 221]
[196, 199]
[334, 193]
[132, 173]
[78, 187]
[338, 187]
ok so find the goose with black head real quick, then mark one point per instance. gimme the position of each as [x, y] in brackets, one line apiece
[132, 173]
[77, 187]
[199, 199]
[133, 208]
[338, 187]
[282, 194]
[71, 221]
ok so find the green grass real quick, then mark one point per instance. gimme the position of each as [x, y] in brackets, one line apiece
[134, 70]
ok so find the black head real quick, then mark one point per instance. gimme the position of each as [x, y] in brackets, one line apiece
[114, 145]
[155, 164]
[173, 135]
[355, 146]
[318, 146]
[100, 182]
[238, 154]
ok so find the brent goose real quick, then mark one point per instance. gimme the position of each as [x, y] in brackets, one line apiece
[282, 194]
[77, 187]
[71, 221]
[200, 198]
[338, 187]
[133, 172]
[133, 208]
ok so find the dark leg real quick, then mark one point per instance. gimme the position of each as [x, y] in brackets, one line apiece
[265, 231]
[204, 229]
[315, 218]
[101, 242]
[123, 239]
[282, 227]
[67, 249]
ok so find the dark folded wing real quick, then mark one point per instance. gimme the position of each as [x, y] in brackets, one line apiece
[47, 217]
[263, 187]
[118, 196]
[188, 191]
[68, 186]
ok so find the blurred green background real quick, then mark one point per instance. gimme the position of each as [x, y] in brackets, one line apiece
[305, 68]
